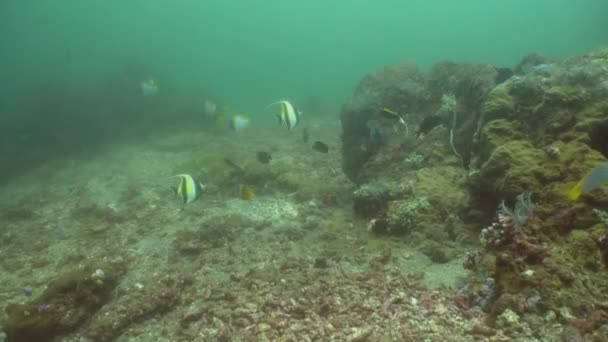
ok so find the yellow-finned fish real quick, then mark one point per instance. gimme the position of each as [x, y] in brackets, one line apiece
[246, 193]
[288, 115]
[391, 114]
[239, 122]
[390, 111]
[221, 115]
[593, 180]
[188, 189]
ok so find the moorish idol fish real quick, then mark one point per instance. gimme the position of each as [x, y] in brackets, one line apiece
[288, 115]
[188, 189]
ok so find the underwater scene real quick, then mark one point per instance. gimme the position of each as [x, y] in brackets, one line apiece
[303, 170]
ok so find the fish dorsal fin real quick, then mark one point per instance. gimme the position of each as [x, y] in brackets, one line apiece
[181, 175]
[275, 103]
[285, 104]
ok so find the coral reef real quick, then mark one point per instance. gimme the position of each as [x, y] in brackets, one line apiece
[537, 130]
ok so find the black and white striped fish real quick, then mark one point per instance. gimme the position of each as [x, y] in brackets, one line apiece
[188, 189]
[288, 116]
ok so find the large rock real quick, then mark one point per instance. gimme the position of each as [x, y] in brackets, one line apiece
[415, 96]
[537, 131]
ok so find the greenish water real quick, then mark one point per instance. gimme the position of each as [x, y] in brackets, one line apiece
[251, 52]
[373, 237]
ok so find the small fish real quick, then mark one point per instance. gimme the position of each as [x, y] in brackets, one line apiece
[149, 87]
[210, 107]
[320, 147]
[305, 135]
[429, 122]
[188, 189]
[593, 180]
[288, 116]
[238, 171]
[239, 122]
[391, 114]
[246, 193]
[232, 165]
[28, 293]
[264, 157]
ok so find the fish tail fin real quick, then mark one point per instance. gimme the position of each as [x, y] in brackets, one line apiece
[576, 190]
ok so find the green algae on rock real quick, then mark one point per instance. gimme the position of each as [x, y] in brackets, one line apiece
[539, 131]
[68, 301]
[513, 168]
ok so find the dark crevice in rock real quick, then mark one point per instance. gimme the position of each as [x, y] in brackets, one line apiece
[599, 138]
